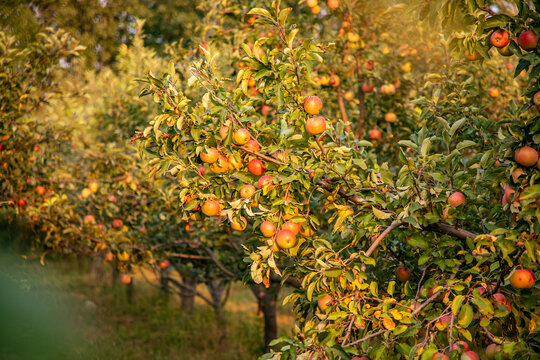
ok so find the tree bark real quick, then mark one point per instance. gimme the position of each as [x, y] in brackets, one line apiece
[216, 288]
[164, 284]
[115, 275]
[187, 299]
[267, 299]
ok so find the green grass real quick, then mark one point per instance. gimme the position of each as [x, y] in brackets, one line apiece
[154, 327]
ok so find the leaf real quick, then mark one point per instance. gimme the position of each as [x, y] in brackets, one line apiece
[408, 143]
[465, 144]
[261, 12]
[380, 214]
[456, 303]
[455, 126]
[426, 146]
[532, 192]
[466, 315]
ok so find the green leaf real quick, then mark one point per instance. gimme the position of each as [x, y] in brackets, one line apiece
[466, 315]
[261, 12]
[456, 303]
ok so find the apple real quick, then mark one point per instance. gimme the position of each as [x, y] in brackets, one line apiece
[333, 4]
[109, 256]
[40, 190]
[234, 163]
[267, 228]
[220, 166]
[313, 105]
[223, 132]
[265, 180]
[536, 98]
[494, 92]
[21, 202]
[456, 199]
[93, 186]
[247, 191]
[526, 156]
[500, 299]
[292, 226]
[439, 356]
[117, 224]
[349, 96]
[239, 224]
[390, 117]
[202, 170]
[325, 302]
[164, 264]
[500, 38]
[252, 82]
[375, 134]
[265, 109]
[370, 65]
[89, 219]
[252, 145]
[315, 125]
[469, 355]
[334, 80]
[209, 155]
[125, 279]
[528, 40]
[241, 136]
[311, 3]
[506, 197]
[86, 192]
[492, 350]
[211, 208]
[522, 279]
[316, 9]
[256, 167]
[285, 239]
[403, 274]
[37, 147]
[112, 198]
[460, 346]
[367, 88]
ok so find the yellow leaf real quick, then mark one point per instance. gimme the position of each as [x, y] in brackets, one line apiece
[389, 324]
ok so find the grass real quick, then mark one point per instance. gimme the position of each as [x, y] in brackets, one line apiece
[79, 314]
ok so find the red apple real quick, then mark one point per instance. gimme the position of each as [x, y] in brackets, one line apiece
[403, 274]
[522, 279]
[469, 355]
[256, 167]
[528, 40]
[313, 105]
[500, 38]
[439, 356]
[315, 125]
[367, 88]
[526, 156]
[456, 199]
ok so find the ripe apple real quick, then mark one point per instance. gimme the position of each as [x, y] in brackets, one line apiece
[125, 279]
[313, 105]
[500, 38]
[475, 55]
[403, 274]
[252, 82]
[247, 191]
[37, 147]
[239, 224]
[456, 199]
[506, 197]
[316, 9]
[370, 65]
[349, 96]
[500, 299]
[375, 134]
[367, 88]
[256, 167]
[285, 239]
[211, 208]
[202, 170]
[325, 302]
[220, 166]
[93, 186]
[265, 109]
[241, 136]
[112, 198]
[469, 355]
[390, 117]
[89, 219]
[86, 192]
[223, 132]
[333, 4]
[334, 80]
[164, 264]
[117, 224]
[536, 98]
[522, 279]
[460, 346]
[315, 125]
[494, 92]
[439, 356]
[268, 229]
[291, 226]
[234, 163]
[109, 256]
[21, 202]
[528, 40]
[265, 180]
[40, 190]
[252, 145]
[209, 155]
[492, 350]
[526, 156]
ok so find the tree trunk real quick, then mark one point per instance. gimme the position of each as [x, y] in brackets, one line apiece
[216, 288]
[267, 299]
[164, 282]
[115, 276]
[187, 298]
[130, 290]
